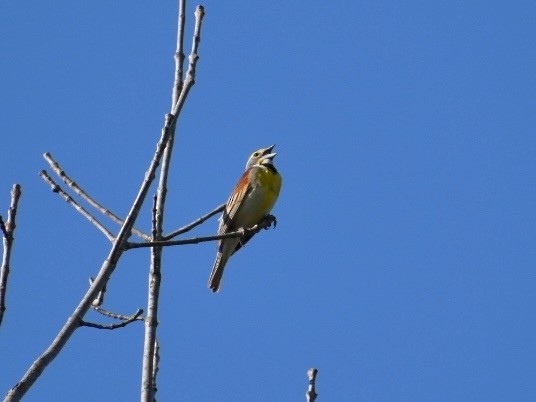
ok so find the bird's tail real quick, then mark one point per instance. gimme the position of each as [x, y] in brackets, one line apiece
[217, 271]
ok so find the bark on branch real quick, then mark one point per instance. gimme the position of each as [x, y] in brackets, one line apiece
[311, 394]
[7, 228]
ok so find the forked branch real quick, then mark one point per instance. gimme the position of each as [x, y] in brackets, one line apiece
[195, 223]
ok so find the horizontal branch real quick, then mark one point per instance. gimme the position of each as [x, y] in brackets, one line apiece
[122, 324]
[117, 316]
[111, 314]
[242, 232]
[195, 223]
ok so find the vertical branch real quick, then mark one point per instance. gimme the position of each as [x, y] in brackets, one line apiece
[156, 360]
[311, 394]
[179, 55]
[7, 228]
[192, 59]
[148, 387]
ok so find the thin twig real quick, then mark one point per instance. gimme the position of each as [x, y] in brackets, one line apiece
[71, 201]
[179, 55]
[192, 59]
[122, 324]
[54, 165]
[121, 317]
[154, 225]
[311, 394]
[195, 223]
[242, 232]
[8, 228]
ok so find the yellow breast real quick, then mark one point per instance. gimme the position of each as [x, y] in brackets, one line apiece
[269, 182]
[265, 186]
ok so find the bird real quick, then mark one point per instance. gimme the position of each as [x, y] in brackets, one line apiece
[251, 200]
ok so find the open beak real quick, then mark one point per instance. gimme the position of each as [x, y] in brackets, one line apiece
[267, 151]
[269, 156]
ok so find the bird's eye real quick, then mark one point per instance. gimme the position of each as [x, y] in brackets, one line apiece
[255, 154]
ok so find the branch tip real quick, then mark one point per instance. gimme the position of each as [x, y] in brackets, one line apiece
[311, 392]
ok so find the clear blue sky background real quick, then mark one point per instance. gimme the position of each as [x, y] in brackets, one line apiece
[403, 265]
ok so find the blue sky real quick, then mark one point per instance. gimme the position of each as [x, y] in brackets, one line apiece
[403, 263]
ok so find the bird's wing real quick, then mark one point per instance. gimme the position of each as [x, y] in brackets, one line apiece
[241, 190]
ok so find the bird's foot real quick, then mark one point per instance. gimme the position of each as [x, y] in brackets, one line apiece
[269, 221]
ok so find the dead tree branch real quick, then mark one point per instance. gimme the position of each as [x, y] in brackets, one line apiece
[8, 228]
[121, 317]
[156, 360]
[193, 224]
[311, 394]
[243, 232]
[123, 323]
[179, 55]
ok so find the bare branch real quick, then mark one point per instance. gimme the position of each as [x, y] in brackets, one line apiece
[121, 317]
[179, 55]
[311, 394]
[122, 324]
[192, 60]
[148, 387]
[70, 200]
[195, 223]
[242, 232]
[154, 224]
[8, 228]
[156, 360]
[54, 165]
[3, 228]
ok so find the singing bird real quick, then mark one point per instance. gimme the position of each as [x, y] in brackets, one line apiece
[250, 202]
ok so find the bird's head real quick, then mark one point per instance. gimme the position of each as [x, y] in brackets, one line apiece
[263, 153]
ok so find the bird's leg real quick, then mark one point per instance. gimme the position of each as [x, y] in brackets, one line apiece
[243, 238]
